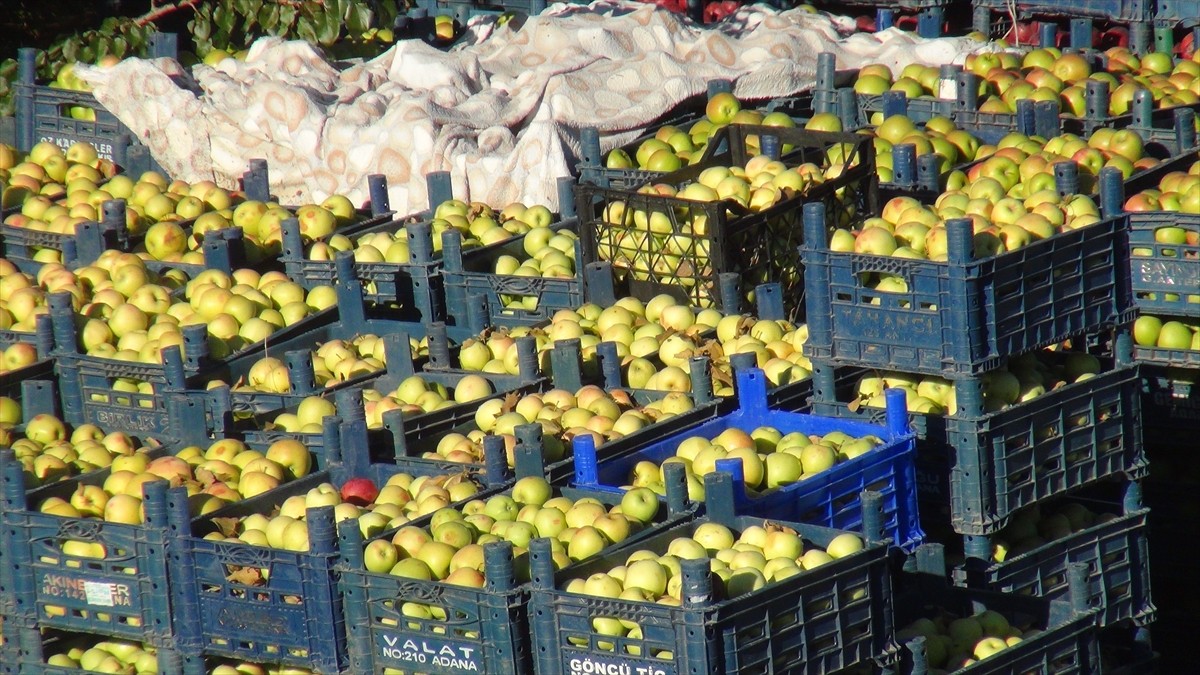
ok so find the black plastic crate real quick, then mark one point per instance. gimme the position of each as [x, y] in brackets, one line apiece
[759, 246]
[961, 317]
[818, 621]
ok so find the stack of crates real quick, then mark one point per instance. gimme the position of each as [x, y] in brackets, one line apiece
[991, 462]
[1165, 273]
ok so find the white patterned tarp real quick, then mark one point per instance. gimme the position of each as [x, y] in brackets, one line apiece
[501, 112]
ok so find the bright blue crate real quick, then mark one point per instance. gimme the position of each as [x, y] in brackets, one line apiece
[1116, 555]
[987, 466]
[1067, 644]
[820, 621]
[122, 594]
[828, 499]
[487, 629]
[963, 316]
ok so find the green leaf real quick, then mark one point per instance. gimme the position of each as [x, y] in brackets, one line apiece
[329, 29]
[305, 30]
[87, 54]
[358, 18]
[225, 19]
[200, 28]
[287, 18]
[101, 48]
[120, 46]
[268, 18]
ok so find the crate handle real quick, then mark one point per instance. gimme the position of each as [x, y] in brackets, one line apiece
[751, 389]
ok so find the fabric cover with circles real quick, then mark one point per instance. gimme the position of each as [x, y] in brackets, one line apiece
[501, 111]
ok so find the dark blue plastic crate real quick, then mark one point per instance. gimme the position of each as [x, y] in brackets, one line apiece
[1171, 407]
[829, 498]
[474, 290]
[1116, 555]
[1112, 10]
[86, 380]
[122, 594]
[295, 616]
[758, 246]
[1178, 12]
[1164, 269]
[820, 621]
[350, 404]
[1067, 644]
[987, 466]
[43, 114]
[486, 629]
[963, 316]
[36, 646]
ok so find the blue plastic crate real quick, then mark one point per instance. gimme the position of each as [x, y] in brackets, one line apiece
[1171, 407]
[1067, 644]
[1165, 277]
[121, 593]
[486, 629]
[963, 316]
[36, 646]
[987, 466]
[820, 621]
[1178, 12]
[758, 246]
[293, 617]
[1116, 555]
[828, 499]
[86, 380]
[1112, 10]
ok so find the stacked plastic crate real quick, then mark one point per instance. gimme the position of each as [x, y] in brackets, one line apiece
[1165, 269]
[1012, 435]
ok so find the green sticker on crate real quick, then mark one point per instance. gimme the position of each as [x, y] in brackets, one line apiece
[448, 656]
[594, 664]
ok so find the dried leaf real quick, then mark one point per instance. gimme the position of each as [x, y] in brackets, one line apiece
[722, 376]
[246, 576]
[510, 402]
[205, 476]
[227, 526]
[854, 405]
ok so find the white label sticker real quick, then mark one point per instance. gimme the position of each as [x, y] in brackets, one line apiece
[948, 89]
[98, 593]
